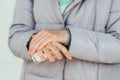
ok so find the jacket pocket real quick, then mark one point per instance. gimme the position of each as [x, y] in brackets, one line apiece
[45, 69]
[35, 77]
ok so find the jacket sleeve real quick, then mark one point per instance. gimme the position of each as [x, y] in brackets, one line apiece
[97, 46]
[21, 29]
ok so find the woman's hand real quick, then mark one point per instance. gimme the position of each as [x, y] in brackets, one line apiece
[44, 37]
[53, 51]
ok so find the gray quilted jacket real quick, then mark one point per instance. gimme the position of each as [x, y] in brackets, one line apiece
[95, 38]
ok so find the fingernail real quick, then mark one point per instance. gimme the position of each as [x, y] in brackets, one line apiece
[30, 54]
[52, 60]
[59, 57]
[70, 58]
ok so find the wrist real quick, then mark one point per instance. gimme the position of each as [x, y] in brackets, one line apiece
[66, 37]
[63, 36]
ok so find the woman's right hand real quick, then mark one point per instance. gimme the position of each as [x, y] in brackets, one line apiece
[53, 51]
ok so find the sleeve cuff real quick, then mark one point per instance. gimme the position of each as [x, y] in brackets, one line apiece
[68, 38]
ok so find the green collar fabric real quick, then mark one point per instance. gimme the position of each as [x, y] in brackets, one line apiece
[64, 4]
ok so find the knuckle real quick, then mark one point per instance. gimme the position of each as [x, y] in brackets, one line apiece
[48, 46]
[42, 44]
[43, 50]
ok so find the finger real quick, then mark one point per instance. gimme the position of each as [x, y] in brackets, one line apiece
[38, 38]
[48, 47]
[35, 40]
[46, 41]
[35, 44]
[40, 53]
[55, 51]
[63, 50]
[49, 55]
[38, 34]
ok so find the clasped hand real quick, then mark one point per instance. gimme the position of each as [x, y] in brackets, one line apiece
[51, 43]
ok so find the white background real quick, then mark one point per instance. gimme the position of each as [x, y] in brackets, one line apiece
[10, 66]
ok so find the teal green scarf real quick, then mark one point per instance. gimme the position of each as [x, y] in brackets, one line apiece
[64, 4]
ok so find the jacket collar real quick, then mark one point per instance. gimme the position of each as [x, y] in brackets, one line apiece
[67, 10]
[72, 5]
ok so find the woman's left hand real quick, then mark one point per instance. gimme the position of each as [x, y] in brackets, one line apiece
[43, 37]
